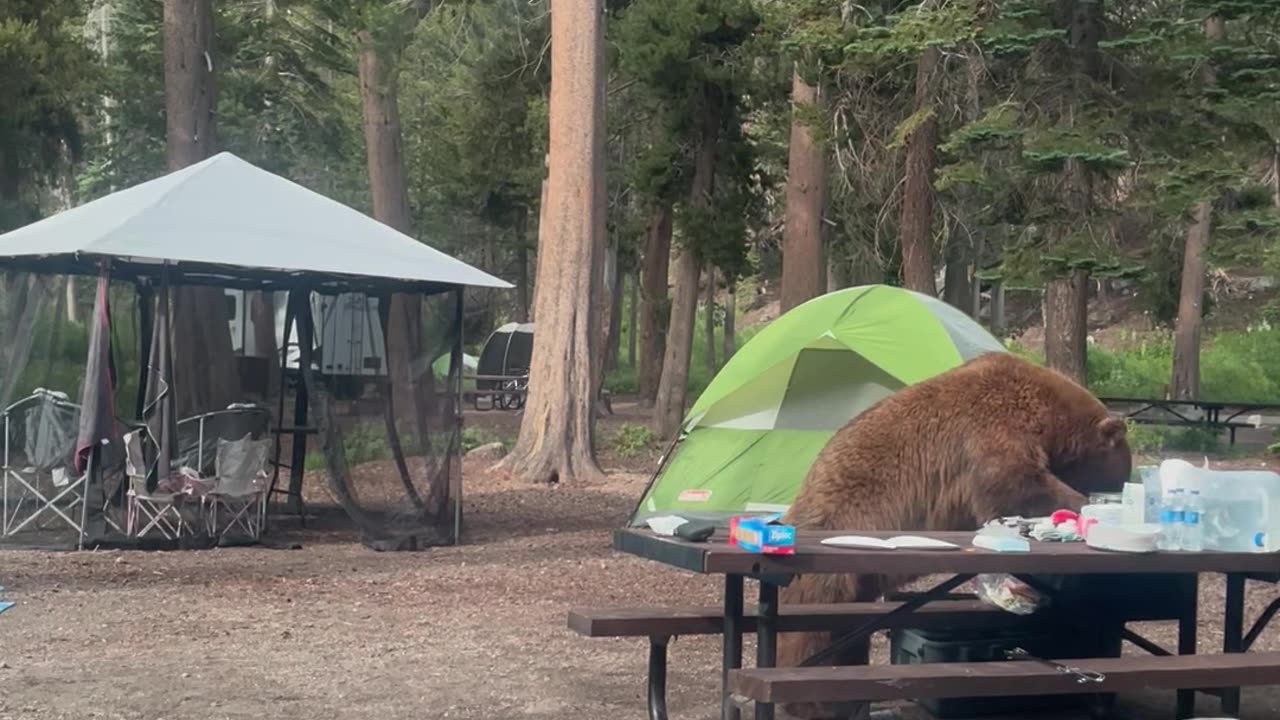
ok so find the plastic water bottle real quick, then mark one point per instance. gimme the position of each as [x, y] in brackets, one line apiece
[1168, 539]
[1192, 527]
[1179, 511]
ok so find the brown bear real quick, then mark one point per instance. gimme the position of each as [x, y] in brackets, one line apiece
[994, 437]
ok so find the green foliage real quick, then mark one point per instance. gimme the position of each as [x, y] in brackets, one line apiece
[688, 64]
[632, 441]
[474, 437]
[1147, 439]
[284, 97]
[46, 76]
[1234, 367]
[367, 442]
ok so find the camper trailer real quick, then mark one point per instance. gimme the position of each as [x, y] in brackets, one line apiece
[348, 333]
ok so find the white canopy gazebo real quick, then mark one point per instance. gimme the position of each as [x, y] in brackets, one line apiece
[227, 223]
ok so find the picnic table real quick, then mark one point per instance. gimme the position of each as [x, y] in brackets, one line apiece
[1187, 413]
[1181, 670]
[503, 392]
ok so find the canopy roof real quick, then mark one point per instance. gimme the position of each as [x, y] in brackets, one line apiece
[226, 222]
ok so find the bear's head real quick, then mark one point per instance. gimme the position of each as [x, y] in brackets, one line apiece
[1097, 458]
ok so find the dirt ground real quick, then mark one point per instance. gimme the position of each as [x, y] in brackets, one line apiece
[336, 631]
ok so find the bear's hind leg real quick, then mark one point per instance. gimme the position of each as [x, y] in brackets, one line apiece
[795, 648]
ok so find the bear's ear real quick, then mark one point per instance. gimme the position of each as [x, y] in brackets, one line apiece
[1113, 431]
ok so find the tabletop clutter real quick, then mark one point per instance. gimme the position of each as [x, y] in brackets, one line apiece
[1173, 507]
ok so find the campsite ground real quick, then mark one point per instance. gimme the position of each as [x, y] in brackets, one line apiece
[474, 632]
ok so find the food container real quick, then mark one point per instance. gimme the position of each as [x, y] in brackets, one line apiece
[1124, 538]
[766, 535]
[1103, 514]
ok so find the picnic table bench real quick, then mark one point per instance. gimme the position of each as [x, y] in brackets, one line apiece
[1181, 670]
[510, 392]
[1187, 413]
[661, 624]
[503, 392]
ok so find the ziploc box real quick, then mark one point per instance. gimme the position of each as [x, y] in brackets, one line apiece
[765, 535]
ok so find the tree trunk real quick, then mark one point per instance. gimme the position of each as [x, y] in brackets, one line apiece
[997, 309]
[802, 267]
[614, 281]
[668, 407]
[191, 92]
[668, 410]
[262, 310]
[408, 371]
[542, 221]
[1066, 299]
[73, 316]
[917, 200]
[957, 288]
[389, 192]
[1185, 384]
[657, 304]
[730, 323]
[1066, 312]
[1186, 333]
[1275, 174]
[633, 313]
[489, 263]
[839, 270]
[709, 333]
[522, 266]
[204, 364]
[557, 432]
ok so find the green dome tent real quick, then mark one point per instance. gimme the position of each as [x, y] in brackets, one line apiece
[749, 440]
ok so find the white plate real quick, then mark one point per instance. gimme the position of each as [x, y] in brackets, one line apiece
[901, 542]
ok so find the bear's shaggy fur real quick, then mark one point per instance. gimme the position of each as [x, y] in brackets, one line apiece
[994, 437]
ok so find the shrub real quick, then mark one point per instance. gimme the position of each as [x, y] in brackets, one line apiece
[633, 440]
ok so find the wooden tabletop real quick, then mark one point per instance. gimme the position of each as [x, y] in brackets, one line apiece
[718, 557]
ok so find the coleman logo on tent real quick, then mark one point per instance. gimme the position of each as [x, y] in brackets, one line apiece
[694, 496]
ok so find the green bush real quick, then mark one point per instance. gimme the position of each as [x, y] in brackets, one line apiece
[1142, 371]
[1152, 438]
[633, 440]
[1234, 367]
[367, 442]
[474, 437]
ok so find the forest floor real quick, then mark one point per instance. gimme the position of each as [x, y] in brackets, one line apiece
[336, 631]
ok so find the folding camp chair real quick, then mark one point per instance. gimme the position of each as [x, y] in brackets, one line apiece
[148, 510]
[38, 483]
[239, 492]
[198, 436]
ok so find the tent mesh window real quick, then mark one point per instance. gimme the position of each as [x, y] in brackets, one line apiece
[390, 432]
[371, 421]
[49, 498]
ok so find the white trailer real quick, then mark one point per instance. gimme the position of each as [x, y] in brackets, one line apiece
[348, 333]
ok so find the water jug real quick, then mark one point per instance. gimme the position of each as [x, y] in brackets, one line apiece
[1241, 507]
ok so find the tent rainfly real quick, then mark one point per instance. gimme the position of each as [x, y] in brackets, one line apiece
[749, 440]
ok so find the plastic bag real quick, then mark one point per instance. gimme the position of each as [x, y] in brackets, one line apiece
[1010, 594]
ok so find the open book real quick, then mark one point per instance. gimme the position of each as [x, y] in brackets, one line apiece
[900, 542]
